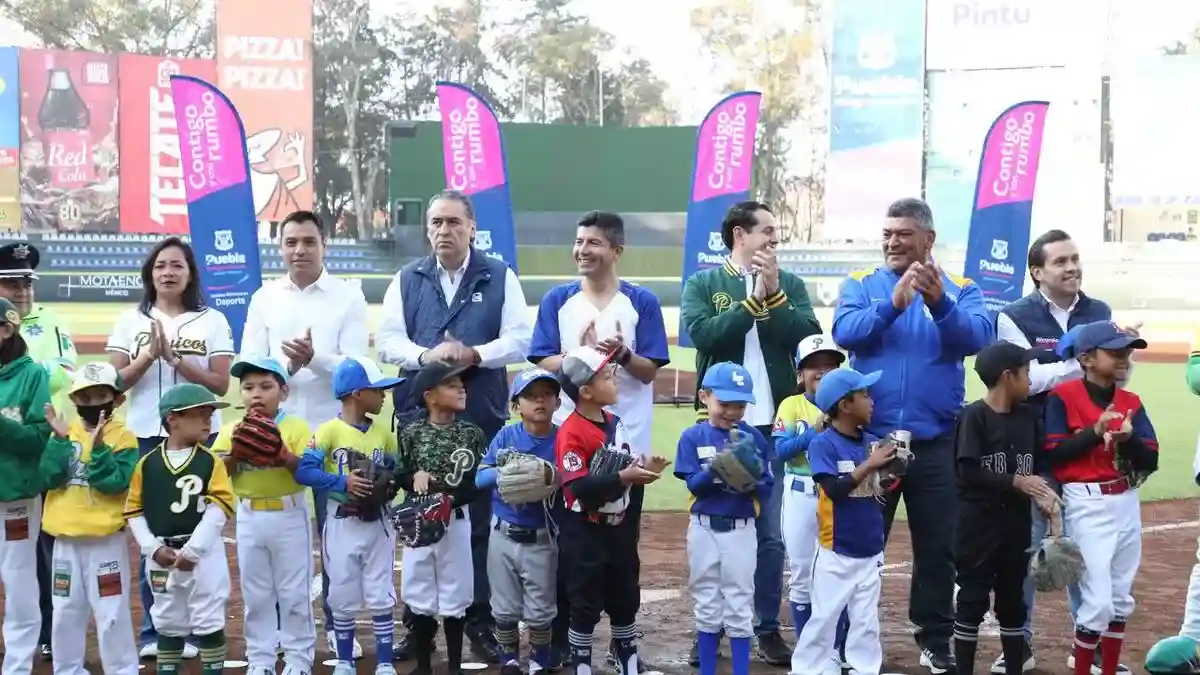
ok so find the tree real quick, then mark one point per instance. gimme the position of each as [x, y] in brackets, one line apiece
[182, 28]
[770, 54]
[568, 71]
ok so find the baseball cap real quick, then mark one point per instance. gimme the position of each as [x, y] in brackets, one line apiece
[994, 359]
[434, 373]
[578, 368]
[188, 396]
[356, 373]
[817, 343]
[1105, 335]
[529, 376]
[258, 364]
[729, 382]
[96, 375]
[840, 383]
[9, 313]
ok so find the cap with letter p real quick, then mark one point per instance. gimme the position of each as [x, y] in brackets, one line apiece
[840, 383]
[728, 383]
[814, 344]
[1105, 335]
[356, 373]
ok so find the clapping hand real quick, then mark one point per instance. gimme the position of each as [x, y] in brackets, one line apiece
[453, 351]
[928, 283]
[906, 291]
[1134, 331]
[615, 345]
[57, 424]
[765, 266]
[587, 336]
[1101, 426]
[299, 352]
[1126, 431]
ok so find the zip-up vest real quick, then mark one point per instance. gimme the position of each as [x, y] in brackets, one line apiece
[473, 317]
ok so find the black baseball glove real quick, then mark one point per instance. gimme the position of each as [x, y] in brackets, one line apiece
[607, 461]
[369, 507]
[422, 520]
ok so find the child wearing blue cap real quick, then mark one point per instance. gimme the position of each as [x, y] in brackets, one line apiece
[359, 546]
[522, 555]
[721, 541]
[845, 460]
[273, 535]
[1102, 446]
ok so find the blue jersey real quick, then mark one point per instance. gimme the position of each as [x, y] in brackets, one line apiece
[710, 496]
[853, 525]
[516, 437]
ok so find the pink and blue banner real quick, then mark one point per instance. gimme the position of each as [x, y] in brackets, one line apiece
[1000, 220]
[220, 203]
[721, 178]
[473, 149]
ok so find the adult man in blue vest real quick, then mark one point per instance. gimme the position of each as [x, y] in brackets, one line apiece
[1039, 321]
[460, 306]
[916, 323]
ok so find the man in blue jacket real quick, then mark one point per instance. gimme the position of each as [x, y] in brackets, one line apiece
[916, 323]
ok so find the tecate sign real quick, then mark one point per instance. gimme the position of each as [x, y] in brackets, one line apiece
[985, 34]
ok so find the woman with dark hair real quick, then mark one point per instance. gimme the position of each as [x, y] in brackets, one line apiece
[169, 338]
[24, 397]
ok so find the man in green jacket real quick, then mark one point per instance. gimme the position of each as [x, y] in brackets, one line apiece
[50, 346]
[750, 312]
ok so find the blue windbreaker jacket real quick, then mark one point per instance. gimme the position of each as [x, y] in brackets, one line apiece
[920, 351]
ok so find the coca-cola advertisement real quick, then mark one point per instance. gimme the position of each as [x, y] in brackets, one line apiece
[69, 168]
[152, 190]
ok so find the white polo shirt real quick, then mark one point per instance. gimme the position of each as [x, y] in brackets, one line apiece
[336, 313]
[194, 336]
[563, 315]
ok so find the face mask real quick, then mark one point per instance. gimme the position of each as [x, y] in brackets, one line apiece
[90, 414]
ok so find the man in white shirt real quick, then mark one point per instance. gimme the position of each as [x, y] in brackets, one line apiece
[461, 306]
[600, 310]
[311, 321]
[1039, 320]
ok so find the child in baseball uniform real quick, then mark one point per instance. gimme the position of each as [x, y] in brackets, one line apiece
[844, 458]
[599, 543]
[797, 423]
[179, 499]
[439, 453]
[1101, 445]
[522, 554]
[996, 442]
[359, 547]
[721, 542]
[24, 393]
[86, 469]
[274, 539]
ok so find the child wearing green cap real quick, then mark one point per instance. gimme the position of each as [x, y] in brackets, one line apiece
[24, 393]
[179, 499]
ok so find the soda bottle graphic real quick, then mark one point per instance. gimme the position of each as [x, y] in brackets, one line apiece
[65, 122]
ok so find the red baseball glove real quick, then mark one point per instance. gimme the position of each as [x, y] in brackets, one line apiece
[257, 441]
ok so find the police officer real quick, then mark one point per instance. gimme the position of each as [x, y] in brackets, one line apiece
[49, 344]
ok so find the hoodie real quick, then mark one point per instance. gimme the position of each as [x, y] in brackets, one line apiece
[24, 393]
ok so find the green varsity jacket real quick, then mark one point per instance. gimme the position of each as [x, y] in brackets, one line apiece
[717, 314]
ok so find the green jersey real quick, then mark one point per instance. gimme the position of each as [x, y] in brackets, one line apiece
[50, 345]
[449, 453]
[24, 393]
[172, 498]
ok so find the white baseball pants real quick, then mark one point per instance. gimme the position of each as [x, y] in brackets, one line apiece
[1108, 529]
[91, 578]
[18, 574]
[721, 565]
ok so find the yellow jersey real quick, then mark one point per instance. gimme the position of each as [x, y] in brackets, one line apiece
[86, 486]
[253, 482]
[796, 416]
[334, 439]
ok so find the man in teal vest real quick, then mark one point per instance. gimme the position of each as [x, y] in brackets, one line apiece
[50, 345]
[752, 313]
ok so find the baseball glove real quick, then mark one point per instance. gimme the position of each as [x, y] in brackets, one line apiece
[738, 464]
[370, 506]
[892, 472]
[607, 461]
[1058, 563]
[256, 440]
[422, 519]
[523, 478]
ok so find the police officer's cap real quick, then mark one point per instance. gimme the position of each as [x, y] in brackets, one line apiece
[19, 260]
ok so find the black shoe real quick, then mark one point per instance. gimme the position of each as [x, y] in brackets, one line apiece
[773, 649]
[610, 659]
[937, 661]
[400, 652]
[483, 644]
[559, 655]
[1122, 669]
[1028, 663]
[45, 651]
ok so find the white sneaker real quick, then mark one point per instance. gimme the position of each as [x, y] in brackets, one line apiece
[331, 639]
[190, 651]
[149, 651]
[385, 669]
[343, 668]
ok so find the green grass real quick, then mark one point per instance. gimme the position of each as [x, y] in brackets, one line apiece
[1162, 388]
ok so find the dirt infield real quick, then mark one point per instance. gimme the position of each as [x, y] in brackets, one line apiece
[1169, 549]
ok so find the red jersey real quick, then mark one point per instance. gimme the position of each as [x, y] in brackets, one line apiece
[577, 441]
[1069, 409]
